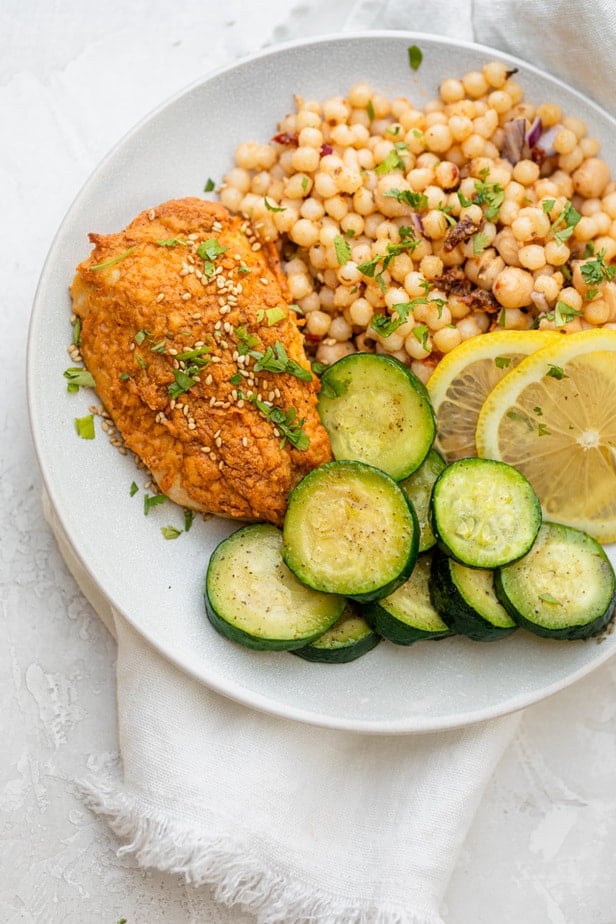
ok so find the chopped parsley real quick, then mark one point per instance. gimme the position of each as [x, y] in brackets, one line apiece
[556, 372]
[370, 110]
[492, 195]
[271, 315]
[393, 161]
[113, 260]
[141, 336]
[276, 360]
[183, 383]
[152, 500]
[480, 242]
[245, 341]
[189, 516]
[285, 422]
[210, 185]
[170, 532]
[415, 57]
[273, 208]
[133, 489]
[562, 227]
[408, 197]
[76, 341]
[85, 427]
[78, 378]
[343, 249]
[595, 272]
[502, 362]
[408, 241]
[208, 251]
[173, 242]
[421, 333]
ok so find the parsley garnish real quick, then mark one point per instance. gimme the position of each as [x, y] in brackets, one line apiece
[152, 500]
[271, 315]
[285, 422]
[556, 372]
[183, 383]
[393, 161]
[421, 333]
[245, 341]
[408, 242]
[189, 516]
[133, 489]
[501, 362]
[370, 110]
[209, 185]
[118, 259]
[415, 57]
[492, 195]
[596, 271]
[85, 427]
[480, 242]
[208, 251]
[272, 208]
[276, 360]
[78, 378]
[343, 250]
[386, 325]
[569, 217]
[170, 532]
[172, 242]
[140, 336]
[408, 197]
[77, 332]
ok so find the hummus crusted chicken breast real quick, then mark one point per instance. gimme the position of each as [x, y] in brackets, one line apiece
[199, 359]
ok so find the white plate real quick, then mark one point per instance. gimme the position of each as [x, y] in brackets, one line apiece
[157, 584]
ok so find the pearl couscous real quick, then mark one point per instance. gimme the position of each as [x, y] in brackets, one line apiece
[406, 230]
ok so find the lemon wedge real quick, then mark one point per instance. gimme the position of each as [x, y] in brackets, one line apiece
[553, 417]
[463, 379]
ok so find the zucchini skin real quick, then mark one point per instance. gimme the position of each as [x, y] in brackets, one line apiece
[570, 631]
[349, 638]
[387, 619]
[454, 610]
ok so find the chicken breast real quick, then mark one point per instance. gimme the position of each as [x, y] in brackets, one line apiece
[199, 359]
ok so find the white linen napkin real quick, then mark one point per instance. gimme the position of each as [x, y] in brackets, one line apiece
[293, 822]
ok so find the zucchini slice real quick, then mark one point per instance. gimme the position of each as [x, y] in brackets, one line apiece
[484, 513]
[418, 487]
[252, 598]
[407, 615]
[466, 600]
[377, 411]
[350, 529]
[348, 639]
[564, 588]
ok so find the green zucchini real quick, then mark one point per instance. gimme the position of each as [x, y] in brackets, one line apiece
[377, 411]
[466, 600]
[350, 529]
[418, 487]
[252, 598]
[484, 513]
[564, 588]
[348, 639]
[407, 615]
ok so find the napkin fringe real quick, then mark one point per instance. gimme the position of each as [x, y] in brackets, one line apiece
[219, 860]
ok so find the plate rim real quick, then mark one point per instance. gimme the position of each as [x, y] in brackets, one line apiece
[413, 724]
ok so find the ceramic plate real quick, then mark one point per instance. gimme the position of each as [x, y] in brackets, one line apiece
[157, 584]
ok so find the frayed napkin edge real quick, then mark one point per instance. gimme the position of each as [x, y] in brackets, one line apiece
[224, 863]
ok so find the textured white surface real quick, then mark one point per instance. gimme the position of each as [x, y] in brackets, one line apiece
[73, 78]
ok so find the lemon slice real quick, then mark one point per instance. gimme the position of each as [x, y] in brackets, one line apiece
[554, 418]
[463, 379]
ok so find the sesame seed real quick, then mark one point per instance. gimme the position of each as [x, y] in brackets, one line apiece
[186, 296]
[263, 280]
[221, 465]
[218, 442]
[193, 236]
[160, 296]
[216, 226]
[151, 214]
[206, 449]
[241, 403]
[244, 441]
[213, 456]
[192, 425]
[209, 379]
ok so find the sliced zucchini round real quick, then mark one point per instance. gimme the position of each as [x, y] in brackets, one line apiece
[252, 598]
[418, 487]
[466, 600]
[348, 639]
[484, 513]
[407, 615]
[377, 411]
[350, 529]
[564, 588]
